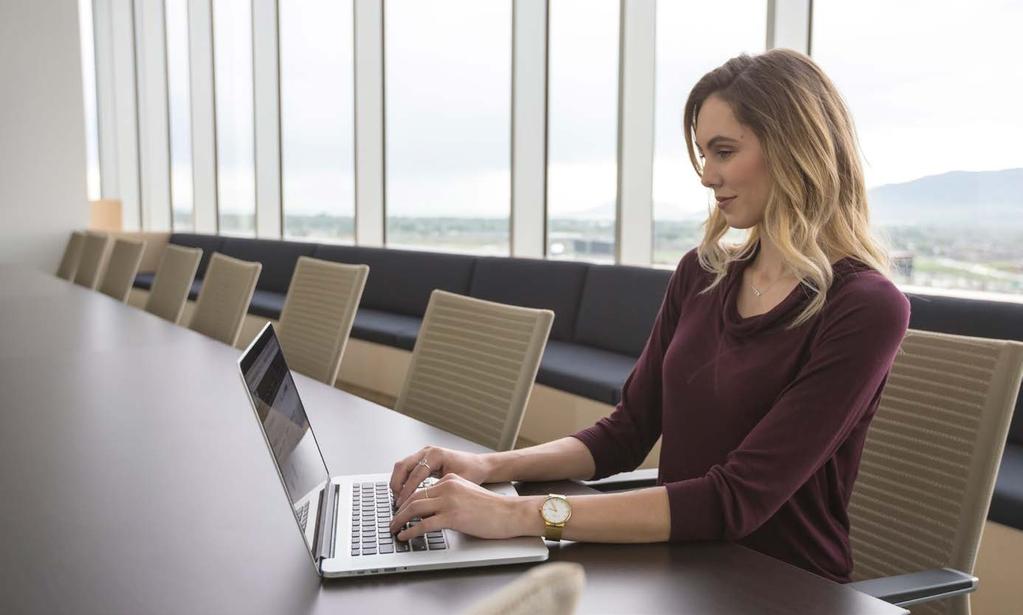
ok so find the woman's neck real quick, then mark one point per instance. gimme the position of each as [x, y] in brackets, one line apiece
[769, 264]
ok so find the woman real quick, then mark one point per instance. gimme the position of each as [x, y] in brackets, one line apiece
[765, 364]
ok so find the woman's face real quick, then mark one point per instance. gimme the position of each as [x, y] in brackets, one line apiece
[733, 164]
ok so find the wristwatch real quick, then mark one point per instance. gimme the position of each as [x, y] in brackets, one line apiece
[556, 511]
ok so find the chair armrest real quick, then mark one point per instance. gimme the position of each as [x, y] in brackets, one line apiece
[916, 587]
[624, 481]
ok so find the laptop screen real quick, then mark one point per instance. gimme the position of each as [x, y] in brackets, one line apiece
[283, 419]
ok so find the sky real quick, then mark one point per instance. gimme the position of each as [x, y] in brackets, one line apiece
[932, 87]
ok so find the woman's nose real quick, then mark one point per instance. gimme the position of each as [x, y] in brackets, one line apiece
[709, 178]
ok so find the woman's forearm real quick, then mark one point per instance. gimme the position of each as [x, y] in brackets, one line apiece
[567, 458]
[636, 516]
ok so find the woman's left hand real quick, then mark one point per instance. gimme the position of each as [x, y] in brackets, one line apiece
[459, 504]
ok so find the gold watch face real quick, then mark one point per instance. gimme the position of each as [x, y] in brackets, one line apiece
[556, 510]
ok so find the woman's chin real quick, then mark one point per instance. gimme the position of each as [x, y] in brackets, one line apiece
[739, 224]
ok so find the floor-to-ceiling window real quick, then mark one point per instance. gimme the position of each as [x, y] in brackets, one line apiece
[582, 138]
[935, 95]
[448, 124]
[89, 97]
[317, 119]
[692, 39]
[179, 109]
[233, 97]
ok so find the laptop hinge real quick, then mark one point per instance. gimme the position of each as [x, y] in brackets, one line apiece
[326, 522]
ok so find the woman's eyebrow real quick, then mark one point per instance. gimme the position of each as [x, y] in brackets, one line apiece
[715, 140]
[720, 139]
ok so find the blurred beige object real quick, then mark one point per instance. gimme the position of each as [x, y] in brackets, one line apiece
[549, 589]
[105, 215]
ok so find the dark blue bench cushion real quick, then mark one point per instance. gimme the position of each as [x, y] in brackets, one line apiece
[388, 328]
[618, 307]
[1007, 501]
[278, 258]
[553, 285]
[144, 280]
[991, 319]
[267, 304]
[207, 243]
[401, 281]
[589, 372]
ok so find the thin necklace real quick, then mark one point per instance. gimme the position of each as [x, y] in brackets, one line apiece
[758, 292]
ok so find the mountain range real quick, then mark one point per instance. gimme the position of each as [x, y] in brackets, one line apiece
[971, 198]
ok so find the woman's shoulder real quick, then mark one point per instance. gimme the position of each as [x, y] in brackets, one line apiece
[861, 291]
[689, 266]
[689, 274]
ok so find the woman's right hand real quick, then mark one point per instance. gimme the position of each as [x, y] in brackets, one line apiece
[409, 473]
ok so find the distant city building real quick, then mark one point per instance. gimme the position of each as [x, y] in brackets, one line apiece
[902, 263]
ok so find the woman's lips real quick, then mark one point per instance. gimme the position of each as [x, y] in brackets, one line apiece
[722, 203]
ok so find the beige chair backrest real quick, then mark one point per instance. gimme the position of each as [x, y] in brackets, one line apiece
[174, 277]
[552, 588]
[318, 314]
[72, 254]
[156, 242]
[122, 268]
[931, 457]
[473, 367]
[94, 252]
[225, 296]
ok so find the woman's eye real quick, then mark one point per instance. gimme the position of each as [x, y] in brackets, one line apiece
[723, 154]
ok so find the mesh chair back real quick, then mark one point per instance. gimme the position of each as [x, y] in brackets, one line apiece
[173, 280]
[122, 268]
[72, 254]
[224, 299]
[931, 457]
[473, 367]
[318, 314]
[94, 251]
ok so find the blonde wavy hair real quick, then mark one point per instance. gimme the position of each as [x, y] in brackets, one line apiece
[816, 209]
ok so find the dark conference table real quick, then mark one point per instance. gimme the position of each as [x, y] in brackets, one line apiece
[134, 480]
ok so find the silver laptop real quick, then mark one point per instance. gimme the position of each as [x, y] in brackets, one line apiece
[345, 520]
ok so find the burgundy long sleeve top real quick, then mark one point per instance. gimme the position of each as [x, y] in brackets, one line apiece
[762, 426]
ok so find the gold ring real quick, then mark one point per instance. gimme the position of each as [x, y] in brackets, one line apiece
[427, 489]
[422, 462]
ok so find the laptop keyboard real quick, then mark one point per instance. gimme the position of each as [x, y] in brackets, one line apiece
[372, 511]
[303, 515]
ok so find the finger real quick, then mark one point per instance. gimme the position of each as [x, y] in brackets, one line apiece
[428, 524]
[402, 469]
[418, 475]
[417, 495]
[420, 508]
[447, 478]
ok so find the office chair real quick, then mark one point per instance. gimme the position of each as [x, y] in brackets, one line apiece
[473, 367]
[122, 268]
[90, 265]
[72, 255]
[928, 469]
[318, 314]
[174, 277]
[224, 299]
